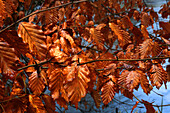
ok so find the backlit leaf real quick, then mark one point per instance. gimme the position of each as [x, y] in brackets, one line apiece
[158, 75]
[36, 83]
[108, 92]
[34, 36]
[123, 36]
[146, 48]
[37, 104]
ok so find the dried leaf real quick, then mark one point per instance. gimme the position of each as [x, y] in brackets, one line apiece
[96, 96]
[123, 36]
[146, 48]
[158, 75]
[56, 80]
[165, 26]
[34, 36]
[49, 103]
[11, 37]
[36, 83]
[37, 104]
[149, 107]
[7, 58]
[108, 92]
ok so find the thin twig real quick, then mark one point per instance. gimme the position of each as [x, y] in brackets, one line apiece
[153, 58]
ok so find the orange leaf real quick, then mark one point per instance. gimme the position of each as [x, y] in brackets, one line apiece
[7, 58]
[158, 75]
[49, 103]
[34, 36]
[146, 48]
[96, 96]
[123, 36]
[11, 37]
[55, 52]
[108, 92]
[145, 83]
[56, 80]
[36, 103]
[36, 83]
[146, 20]
[149, 107]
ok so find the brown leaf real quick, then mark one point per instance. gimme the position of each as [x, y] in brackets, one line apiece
[16, 105]
[168, 72]
[76, 89]
[37, 104]
[146, 48]
[146, 20]
[96, 96]
[149, 107]
[49, 103]
[165, 26]
[36, 83]
[145, 83]
[34, 36]
[108, 92]
[56, 80]
[7, 58]
[11, 37]
[123, 36]
[158, 75]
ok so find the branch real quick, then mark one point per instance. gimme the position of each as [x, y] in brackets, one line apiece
[75, 2]
[153, 58]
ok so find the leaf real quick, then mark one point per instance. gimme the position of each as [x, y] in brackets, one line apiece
[7, 58]
[49, 103]
[97, 38]
[56, 80]
[36, 83]
[168, 72]
[158, 75]
[56, 53]
[146, 48]
[96, 96]
[122, 83]
[156, 50]
[135, 106]
[165, 26]
[34, 36]
[108, 92]
[146, 20]
[11, 37]
[76, 88]
[127, 23]
[16, 105]
[123, 36]
[132, 80]
[37, 104]
[3, 13]
[145, 84]
[149, 107]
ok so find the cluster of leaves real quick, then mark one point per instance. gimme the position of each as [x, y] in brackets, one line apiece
[72, 48]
